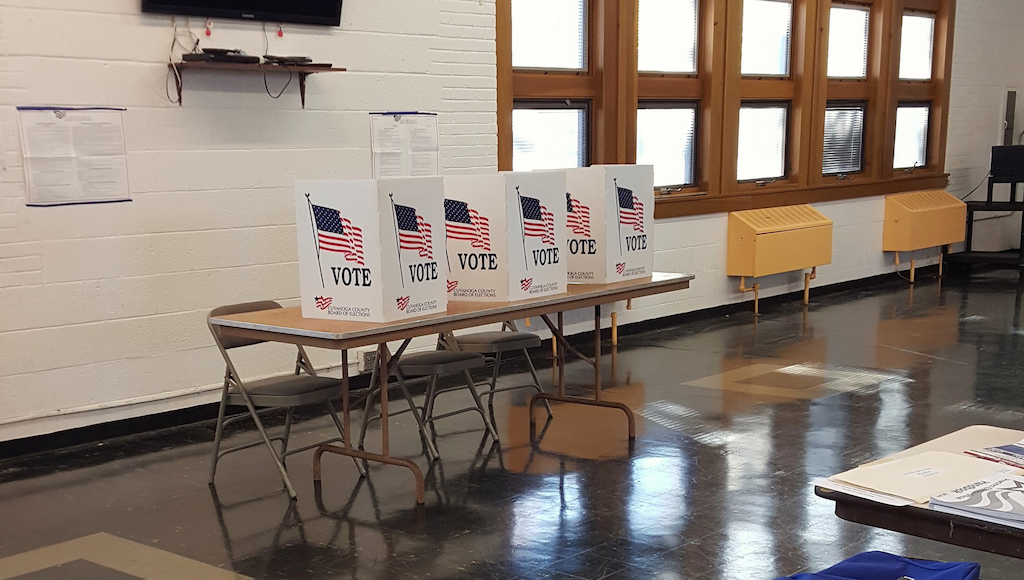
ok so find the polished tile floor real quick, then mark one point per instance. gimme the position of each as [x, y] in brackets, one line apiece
[735, 419]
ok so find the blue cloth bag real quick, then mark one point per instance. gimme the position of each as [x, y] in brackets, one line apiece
[883, 566]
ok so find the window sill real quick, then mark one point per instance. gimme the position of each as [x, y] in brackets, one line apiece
[689, 204]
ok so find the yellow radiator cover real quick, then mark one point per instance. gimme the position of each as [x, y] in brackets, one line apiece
[922, 219]
[778, 239]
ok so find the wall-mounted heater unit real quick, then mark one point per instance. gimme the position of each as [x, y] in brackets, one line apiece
[775, 240]
[922, 219]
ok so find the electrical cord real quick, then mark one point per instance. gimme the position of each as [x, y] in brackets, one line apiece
[987, 175]
[176, 41]
[291, 74]
[286, 84]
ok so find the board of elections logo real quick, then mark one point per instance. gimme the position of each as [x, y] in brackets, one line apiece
[620, 267]
[403, 302]
[452, 285]
[526, 283]
[322, 302]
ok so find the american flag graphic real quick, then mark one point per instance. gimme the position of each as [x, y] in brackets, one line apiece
[538, 222]
[413, 231]
[402, 302]
[322, 302]
[452, 285]
[631, 211]
[337, 234]
[526, 283]
[577, 216]
[620, 267]
[463, 223]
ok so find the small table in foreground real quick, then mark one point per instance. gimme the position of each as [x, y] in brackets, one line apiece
[288, 326]
[919, 520]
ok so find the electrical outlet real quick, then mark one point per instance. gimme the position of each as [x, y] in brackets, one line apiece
[367, 360]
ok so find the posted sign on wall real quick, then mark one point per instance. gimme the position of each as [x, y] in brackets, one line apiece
[371, 250]
[609, 221]
[506, 235]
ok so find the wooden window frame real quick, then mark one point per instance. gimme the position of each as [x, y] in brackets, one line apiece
[614, 87]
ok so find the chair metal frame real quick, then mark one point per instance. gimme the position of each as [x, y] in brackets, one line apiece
[235, 392]
[427, 417]
[450, 341]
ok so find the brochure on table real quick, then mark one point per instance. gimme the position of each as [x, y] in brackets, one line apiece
[609, 221]
[371, 250]
[505, 235]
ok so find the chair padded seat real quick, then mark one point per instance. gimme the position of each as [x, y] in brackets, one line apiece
[289, 390]
[497, 341]
[440, 362]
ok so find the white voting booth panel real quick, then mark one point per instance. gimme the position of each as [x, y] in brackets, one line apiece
[371, 250]
[609, 221]
[506, 235]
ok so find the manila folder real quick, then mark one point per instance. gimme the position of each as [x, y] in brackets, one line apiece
[919, 477]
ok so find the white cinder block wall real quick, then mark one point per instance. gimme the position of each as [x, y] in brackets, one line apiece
[102, 306]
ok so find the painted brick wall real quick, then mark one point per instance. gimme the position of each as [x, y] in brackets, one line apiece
[102, 306]
[987, 50]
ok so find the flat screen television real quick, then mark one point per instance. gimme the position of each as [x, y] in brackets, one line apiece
[326, 12]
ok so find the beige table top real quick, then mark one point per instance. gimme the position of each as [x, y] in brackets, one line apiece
[288, 325]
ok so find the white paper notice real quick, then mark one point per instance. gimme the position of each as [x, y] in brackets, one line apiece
[74, 155]
[404, 144]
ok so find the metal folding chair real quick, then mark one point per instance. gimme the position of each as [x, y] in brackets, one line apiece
[263, 396]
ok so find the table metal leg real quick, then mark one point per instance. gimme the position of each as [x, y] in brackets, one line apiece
[386, 362]
[558, 335]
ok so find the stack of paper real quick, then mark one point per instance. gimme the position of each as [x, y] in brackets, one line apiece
[1012, 455]
[914, 479]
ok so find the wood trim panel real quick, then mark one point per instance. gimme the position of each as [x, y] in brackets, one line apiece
[847, 90]
[679, 205]
[942, 75]
[711, 68]
[669, 87]
[544, 85]
[503, 60]
[822, 90]
[915, 91]
[767, 89]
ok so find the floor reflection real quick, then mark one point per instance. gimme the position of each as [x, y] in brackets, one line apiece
[735, 419]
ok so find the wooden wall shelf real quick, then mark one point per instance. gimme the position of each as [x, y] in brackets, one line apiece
[302, 71]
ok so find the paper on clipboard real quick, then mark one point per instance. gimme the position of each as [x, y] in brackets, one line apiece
[404, 144]
[74, 155]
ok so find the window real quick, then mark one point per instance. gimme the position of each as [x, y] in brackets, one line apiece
[549, 34]
[911, 137]
[916, 44]
[548, 136]
[848, 42]
[668, 36]
[766, 34]
[666, 139]
[736, 103]
[762, 141]
[844, 139]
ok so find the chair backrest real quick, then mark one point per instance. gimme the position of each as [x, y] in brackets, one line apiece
[231, 342]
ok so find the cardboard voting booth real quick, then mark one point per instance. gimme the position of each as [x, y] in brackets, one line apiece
[609, 221]
[371, 250]
[506, 235]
